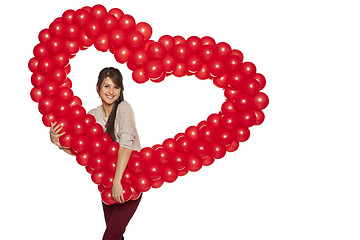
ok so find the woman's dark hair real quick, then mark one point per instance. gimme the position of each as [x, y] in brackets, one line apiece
[115, 76]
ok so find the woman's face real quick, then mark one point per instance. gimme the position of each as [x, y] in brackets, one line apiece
[109, 92]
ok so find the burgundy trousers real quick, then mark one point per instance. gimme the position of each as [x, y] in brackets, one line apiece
[117, 217]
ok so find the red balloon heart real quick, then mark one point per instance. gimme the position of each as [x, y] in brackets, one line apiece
[151, 60]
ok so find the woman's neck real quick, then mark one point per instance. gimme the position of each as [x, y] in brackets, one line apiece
[107, 109]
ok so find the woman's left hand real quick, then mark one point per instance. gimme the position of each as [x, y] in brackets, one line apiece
[117, 192]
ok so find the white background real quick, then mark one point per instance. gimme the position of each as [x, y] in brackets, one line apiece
[297, 177]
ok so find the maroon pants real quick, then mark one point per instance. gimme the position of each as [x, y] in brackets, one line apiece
[117, 217]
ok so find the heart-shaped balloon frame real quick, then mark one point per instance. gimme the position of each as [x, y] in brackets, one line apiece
[130, 43]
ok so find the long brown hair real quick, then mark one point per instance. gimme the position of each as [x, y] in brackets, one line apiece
[115, 75]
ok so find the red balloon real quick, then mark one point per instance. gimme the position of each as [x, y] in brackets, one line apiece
[139, 76]
[98, 11]
[168, 42]
[194, 43]
[46, 65]
[261, 79]
[231, 93]
[101, 42]
[200, 149]
[233, 146]
[180, 70]
[233, 63]
[181, 52]
[183, 171]
[108, 180]
[207, 53]
[147, 154]
[229, 121]
[127, 192]
[116, 12]
[228, 107]
[194, 63]
[79, 144]
[156, 51]
[71, 31]
[242, 102]
[97, 161]
[117, 38]
[183, 144]
[145, 29]
[241, 134]
[136, 165]
[169, 63]
[248, 68]
[207, 161]
[128, 177]
[61, 59]
[135, 194]
[68, 16]
[207, 133]
[158, 183]
[260, 101]
[71, 47]
[169, 174]
[61, 109]
[41, 50]
[162, 155]
[33, 62]
[169, 144]
[65, 140]
[36, 94]
[85, 41]
[89, 119]
[154, 69]
[194, 163]
[65, 94]
[203, 73]
[110, 165]
[92, 28]
[44, 35]
[78, 127]
[76, 102]
[223, 49]
[216, 150]
[139, 57]
[142, 183]
[56, 28]
[179, 40]
[224, 137]
[208, 41]
[108, 22]
[83, 158]
[178, 161]
[235, 80]
[46, 105]
[48, 118]
[221, 81]
[112, 149]
[96, 145]
[247, 118]
[153, 170]
[260, 117]
[192, 133]
[107, 138]
[122, 54]
[106, 197]
[98, 176]
[95, 130]
[216, 67]
[77, 112]
[81, 17]
[134, 40]
[127, 23]
[214, 120]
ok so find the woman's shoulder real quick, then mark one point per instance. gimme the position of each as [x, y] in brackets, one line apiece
[124, 106]
[95, 111]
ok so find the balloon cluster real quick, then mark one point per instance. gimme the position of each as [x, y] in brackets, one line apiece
[130, 43]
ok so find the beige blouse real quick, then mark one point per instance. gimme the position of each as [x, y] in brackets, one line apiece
[125, 127]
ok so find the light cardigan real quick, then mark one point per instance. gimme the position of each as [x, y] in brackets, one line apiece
[125, 127]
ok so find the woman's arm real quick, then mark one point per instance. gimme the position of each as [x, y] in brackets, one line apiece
[122, 161]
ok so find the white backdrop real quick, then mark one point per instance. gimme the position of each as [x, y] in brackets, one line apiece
[297, 177]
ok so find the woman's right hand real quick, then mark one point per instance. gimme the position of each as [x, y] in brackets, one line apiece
[55, 133]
